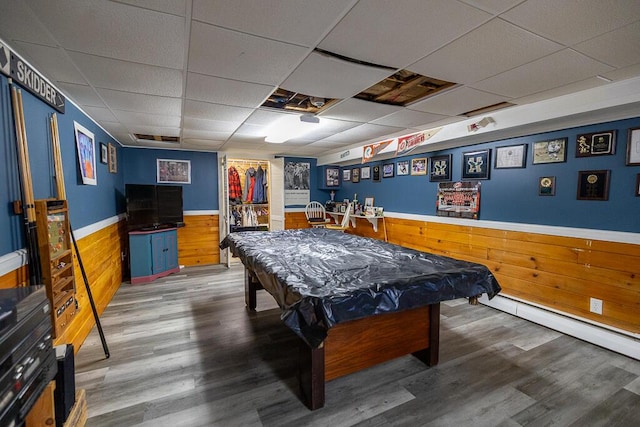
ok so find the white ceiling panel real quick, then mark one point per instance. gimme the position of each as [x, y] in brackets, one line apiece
[100, 114]
[558, 69]
[457, 101]
[329, 77]
[493, 6]
[133, 118]
[52, 58]
[619, 48]
[80, 27]
[358, 110]
[573, 21]
[128, 76]
[205, 110]
[83, 95]
[224, 53]
[124, 61]
[149, 104]
[209, 125]
[408, 118]
[174, 7]
[492, 48]
[393, 34]
[300, 22]
[226, 91]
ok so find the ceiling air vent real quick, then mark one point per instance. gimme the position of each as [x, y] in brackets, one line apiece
[156, 138]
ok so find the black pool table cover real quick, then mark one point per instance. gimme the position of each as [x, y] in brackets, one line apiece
[322, 277]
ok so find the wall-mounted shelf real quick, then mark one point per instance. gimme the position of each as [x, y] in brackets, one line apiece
[337, 217]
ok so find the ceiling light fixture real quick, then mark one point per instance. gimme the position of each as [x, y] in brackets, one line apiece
[291, 126]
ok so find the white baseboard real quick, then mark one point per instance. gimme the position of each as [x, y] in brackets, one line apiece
[619, 341]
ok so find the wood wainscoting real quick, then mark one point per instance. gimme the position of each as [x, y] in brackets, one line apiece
[103, 263]
[295, 220]
[561, 273]
[199, 240]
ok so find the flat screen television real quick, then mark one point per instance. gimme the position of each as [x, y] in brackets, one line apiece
[153, 206]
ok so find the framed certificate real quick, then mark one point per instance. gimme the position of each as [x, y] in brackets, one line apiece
[633, 147]
[512, 156]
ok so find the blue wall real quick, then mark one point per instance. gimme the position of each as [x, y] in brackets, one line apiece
[88, 204]
[140, 167]
[511, 195]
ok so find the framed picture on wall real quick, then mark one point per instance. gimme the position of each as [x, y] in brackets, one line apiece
[346, 174]
[550, 151]
[638, 185]
[593, 185]
[113, 158]
[332, 177]
[376, 173]
[85, 144]
[173, 171]
[403, 167]
[355, 175]
[440, 168]
[596, 144]
[365, 172]
[104, 154]
[633, 147]
[476, 164]
[388, 170]
[547, 186]
[419, 166]
[511, 156]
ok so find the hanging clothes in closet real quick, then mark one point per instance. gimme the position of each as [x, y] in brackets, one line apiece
[249, 185]
[235, 188]
[258, 191]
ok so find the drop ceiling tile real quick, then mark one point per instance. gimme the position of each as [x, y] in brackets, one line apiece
[358, 110]
[53, 62]
[205, 110]
[488, 50]
[100, 114]
[492, 6]
[128, 76]
[265, 116]
[457, 101]
[400, 33]
[619, 48]
[329, 77]
[226, 91]
[174, 7]
[361, 133]
[150, 104]
[205, 135]
[623, 73]
[294, 21]
[209, 125]
[82, 95]
[224, 53]
[116, 30]
[558, 69]
[408, 118]
[143, 129]
[134, 118]
[573, 21]
[18, 24]
[202, 144]
[581, 85]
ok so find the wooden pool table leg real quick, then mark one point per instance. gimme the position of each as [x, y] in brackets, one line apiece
[429, 356]
[311, 375]
[251, 285]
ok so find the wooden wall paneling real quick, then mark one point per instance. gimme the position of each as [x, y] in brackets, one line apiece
[198, 240]
[295, 220]
[614, 261]
[102, 260]
[15, 278]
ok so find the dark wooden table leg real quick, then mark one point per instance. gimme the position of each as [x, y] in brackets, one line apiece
[250, 287]
[429, 356]
[311, 376]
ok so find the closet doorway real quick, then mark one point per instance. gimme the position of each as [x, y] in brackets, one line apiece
[252, 197]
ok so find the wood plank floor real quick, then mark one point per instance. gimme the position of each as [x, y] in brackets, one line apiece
[184, 352]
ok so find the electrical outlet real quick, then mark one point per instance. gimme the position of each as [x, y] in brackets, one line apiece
[595, 306]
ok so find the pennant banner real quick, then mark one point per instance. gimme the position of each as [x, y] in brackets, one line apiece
[372, 150]
[408, 142]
